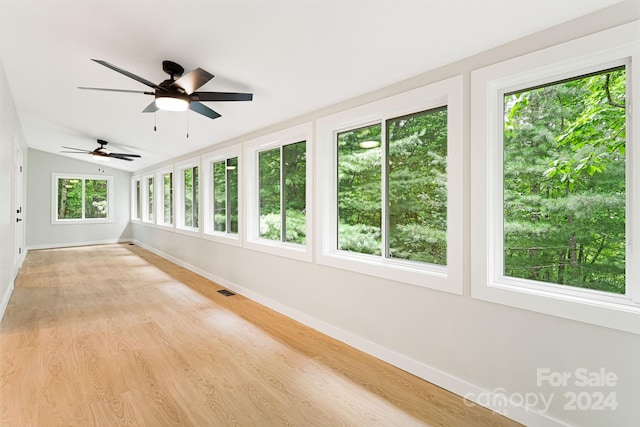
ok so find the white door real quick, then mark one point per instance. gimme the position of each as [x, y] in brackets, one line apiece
[19, 210]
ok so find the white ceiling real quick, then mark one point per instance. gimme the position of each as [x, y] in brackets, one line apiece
[296, 56]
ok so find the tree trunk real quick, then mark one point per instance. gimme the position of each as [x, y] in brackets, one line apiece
[62, 205]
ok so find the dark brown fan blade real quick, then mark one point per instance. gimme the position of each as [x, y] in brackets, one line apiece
[151, 108]
[221, 96]
[120, 157]
[116, 90]
[77, 152]
[126, 155]
[80, 150]
[128, 74]
[203, 109]
[191, 81]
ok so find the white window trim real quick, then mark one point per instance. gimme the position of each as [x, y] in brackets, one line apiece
[54, 198]
[133, 219]
[159, 199]
[446, 278]
[252, 240]
[178, 192]
[145, 199]
[488, 86]
[207, 226]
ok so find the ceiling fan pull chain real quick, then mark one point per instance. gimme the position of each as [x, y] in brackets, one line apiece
[187, 124]
[155, 122]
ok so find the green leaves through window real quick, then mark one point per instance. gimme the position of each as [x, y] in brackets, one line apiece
[564, 182]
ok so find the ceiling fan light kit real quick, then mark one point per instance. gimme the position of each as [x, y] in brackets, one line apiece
[167, 102]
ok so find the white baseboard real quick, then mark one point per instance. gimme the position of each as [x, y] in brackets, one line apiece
[72, 244]
[472, 394]
[5, 299]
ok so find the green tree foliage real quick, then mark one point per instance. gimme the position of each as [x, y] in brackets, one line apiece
[417, 168]
[150, 199]
[359, 190]
[220, 196]
[191, 197]
[282, 176]
[70, 198]
[269, 176]
[415, 174]
[225, 195]
[232, 195]
[168, 197]
[564, 182]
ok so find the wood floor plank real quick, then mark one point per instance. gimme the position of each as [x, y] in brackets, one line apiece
[114, 335]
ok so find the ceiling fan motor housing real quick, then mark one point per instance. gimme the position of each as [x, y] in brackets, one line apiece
[172, 68]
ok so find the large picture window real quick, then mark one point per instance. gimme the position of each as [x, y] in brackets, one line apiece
[391, 187]
[564, 182]
[279, 201]
[554, 184]
[81, 198]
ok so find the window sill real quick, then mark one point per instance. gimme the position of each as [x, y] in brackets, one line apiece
[415, 273]
[224, 238]
[193, 232]
[283, 249]
[82, 221]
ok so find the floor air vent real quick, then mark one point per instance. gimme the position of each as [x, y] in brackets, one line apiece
[226, 293]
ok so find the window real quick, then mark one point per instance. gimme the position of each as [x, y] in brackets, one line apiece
[554, 183]
[165, 199]
[225, 196]
[221, 182]
[147, 211]
[391, 187]
[81, 198]
[187, 196]
[279, 201]
[136, 199]
[190, 181]
[282, 190]
[406, 218]
[564, 182]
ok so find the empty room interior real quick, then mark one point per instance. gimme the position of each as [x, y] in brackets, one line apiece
[319, 213]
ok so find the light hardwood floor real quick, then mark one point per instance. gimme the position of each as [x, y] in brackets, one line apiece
[115, 335]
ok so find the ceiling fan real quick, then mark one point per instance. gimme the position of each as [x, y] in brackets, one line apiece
[178, 92]
[102, 152]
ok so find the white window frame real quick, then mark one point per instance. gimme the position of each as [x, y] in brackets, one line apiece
[445, 278]
[159, 199]
[252, 240]
[135, 216]
[208, 160]
[592, 53]
[145, 200]
[178, 192]
[83, 177]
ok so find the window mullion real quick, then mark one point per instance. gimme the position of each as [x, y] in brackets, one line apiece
[384, 220]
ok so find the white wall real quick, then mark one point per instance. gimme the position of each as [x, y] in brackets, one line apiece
[41, 233]
[10, 135]
[460, 343]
